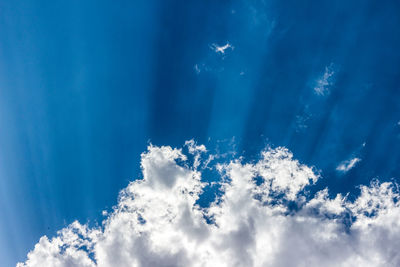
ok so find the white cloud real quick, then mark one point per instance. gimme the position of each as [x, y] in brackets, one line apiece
[221, 48]
[264, 217]
[324, 82]
[346, 165]
[196, 151]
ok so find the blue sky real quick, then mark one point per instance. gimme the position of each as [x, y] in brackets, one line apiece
[86, 85]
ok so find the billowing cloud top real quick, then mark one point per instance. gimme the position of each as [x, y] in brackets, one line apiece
[262, 217]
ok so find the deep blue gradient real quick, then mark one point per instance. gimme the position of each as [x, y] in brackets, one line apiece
[86, 85]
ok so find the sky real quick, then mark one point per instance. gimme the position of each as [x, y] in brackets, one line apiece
[89, 88]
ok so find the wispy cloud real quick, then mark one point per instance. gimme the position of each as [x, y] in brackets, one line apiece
[325, 81]
[221, 49]
[197, 68]
[347, 165]
[157, 221]
[302, 119]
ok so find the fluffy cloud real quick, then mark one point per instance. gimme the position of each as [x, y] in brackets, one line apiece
[262, 217]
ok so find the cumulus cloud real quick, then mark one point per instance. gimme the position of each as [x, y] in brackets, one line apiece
[264, 216]
[324, 82]
[347, 165]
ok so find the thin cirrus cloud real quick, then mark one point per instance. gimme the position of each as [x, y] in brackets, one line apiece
[347, 165]
[264, 216]
[324, 83]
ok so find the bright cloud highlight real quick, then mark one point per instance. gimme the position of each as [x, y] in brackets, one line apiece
[263, 217]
